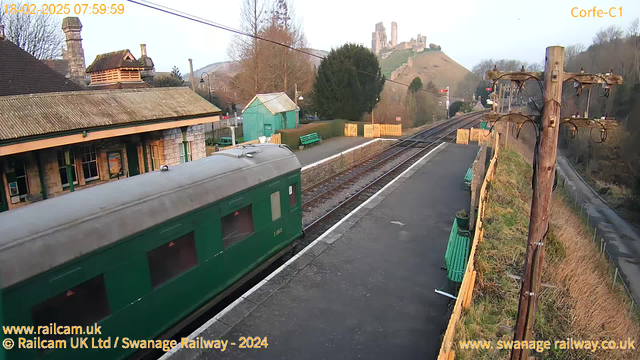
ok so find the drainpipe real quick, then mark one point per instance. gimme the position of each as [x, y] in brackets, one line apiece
[184, 142]
[41, 175]
[67, 161]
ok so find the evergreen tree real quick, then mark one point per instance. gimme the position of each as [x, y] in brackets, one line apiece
[341, 91]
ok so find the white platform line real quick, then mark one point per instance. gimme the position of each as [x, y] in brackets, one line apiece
[344, 152]
[302, 252]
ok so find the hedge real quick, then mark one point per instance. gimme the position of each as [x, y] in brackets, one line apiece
[326, 130]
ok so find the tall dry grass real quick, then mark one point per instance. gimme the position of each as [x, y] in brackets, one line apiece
[579, 301]
[597, 310]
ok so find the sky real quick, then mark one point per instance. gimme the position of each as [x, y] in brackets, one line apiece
[468, 31]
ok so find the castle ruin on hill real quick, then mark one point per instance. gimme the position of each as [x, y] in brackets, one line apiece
[380, 44]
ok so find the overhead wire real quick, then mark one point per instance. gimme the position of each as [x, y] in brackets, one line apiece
[181, 14]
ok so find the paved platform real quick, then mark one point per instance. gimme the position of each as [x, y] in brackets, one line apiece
[329, 147]
[365, 288]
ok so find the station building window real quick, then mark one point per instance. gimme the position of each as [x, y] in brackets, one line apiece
[293, 196]
[275, 206]
[90, 163]
[63, 168]
[181, 148]
[21, 178]
[81, 305]
[236, 226]
[172, 259]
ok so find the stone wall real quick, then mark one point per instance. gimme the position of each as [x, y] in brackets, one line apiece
[173, 139]
[314, 174]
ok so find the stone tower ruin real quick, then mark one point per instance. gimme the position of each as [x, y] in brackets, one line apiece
[74, 54]
[394, 34]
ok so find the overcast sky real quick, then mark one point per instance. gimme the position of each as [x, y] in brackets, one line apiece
[468, 31]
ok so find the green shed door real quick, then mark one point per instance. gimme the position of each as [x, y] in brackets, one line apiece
[132, 159]
[268, 130]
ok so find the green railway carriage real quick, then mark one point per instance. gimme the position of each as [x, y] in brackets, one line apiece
[138, 255]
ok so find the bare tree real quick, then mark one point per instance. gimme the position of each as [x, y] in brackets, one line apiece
[571, 53]
[609, 34]
[38, 34]
[264, 66]
[634, 28]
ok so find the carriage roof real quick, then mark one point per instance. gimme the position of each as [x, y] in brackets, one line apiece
[46, 234]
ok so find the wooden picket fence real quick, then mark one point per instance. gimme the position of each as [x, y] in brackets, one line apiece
[377, 130]
[462, 136]
[351, 130]
[478, 134]
[390, 129]
[276, 139]
[466, 288]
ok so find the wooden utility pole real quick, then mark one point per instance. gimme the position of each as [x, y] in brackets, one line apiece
[540, 204]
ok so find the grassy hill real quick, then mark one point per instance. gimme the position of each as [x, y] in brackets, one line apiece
[430, 65]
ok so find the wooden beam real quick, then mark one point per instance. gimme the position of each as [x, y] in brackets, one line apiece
[514, 75]
[100, 134]
[582, 78]
[594, 78]
[519, 118]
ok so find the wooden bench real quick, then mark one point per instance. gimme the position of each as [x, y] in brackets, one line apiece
[457, 254]
[310, 139]
[467, 178]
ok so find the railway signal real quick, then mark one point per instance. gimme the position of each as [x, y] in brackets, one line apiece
[444, 90]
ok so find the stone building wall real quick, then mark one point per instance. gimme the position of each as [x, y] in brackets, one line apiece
[173, 139]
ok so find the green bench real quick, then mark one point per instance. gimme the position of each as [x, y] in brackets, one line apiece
[457, 254]
[467, 177]
[225, 141]
[310, 139]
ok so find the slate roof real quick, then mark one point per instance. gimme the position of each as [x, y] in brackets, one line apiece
[60, 66]
[22, 73]
[23, 116]
[274, 102]
[113, 60]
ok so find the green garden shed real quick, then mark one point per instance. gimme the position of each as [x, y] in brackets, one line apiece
[267, 113]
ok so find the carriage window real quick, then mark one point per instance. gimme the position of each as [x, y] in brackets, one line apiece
[293, 196]
[172, 259]
[236, 226]
[82, 305]
[275, 206]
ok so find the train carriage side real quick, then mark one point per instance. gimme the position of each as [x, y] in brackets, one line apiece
[139, 286]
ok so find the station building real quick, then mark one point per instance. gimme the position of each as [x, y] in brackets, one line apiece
[58, 136]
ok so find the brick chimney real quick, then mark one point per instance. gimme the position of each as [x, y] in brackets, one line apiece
[74, 54]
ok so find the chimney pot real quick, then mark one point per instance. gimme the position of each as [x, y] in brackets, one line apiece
[1, 32]
[143, 50]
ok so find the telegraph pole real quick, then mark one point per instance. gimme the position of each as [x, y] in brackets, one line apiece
[541, 201]
[545, 155]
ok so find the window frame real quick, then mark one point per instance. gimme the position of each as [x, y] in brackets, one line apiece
[25, 177]
[228, 244]
[181, 152]
[40, 307]
[72, 155]
[189, 238]
[293, 194]
[278, 202]
[94, 160]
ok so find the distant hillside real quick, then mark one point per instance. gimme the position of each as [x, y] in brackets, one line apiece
[430, 65]
[230, 68]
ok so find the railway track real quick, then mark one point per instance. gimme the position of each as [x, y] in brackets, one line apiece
[324, 200]
[411, 149]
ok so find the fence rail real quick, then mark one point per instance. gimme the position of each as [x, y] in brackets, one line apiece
[377, 130]
[351, 130]
[463, 299]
